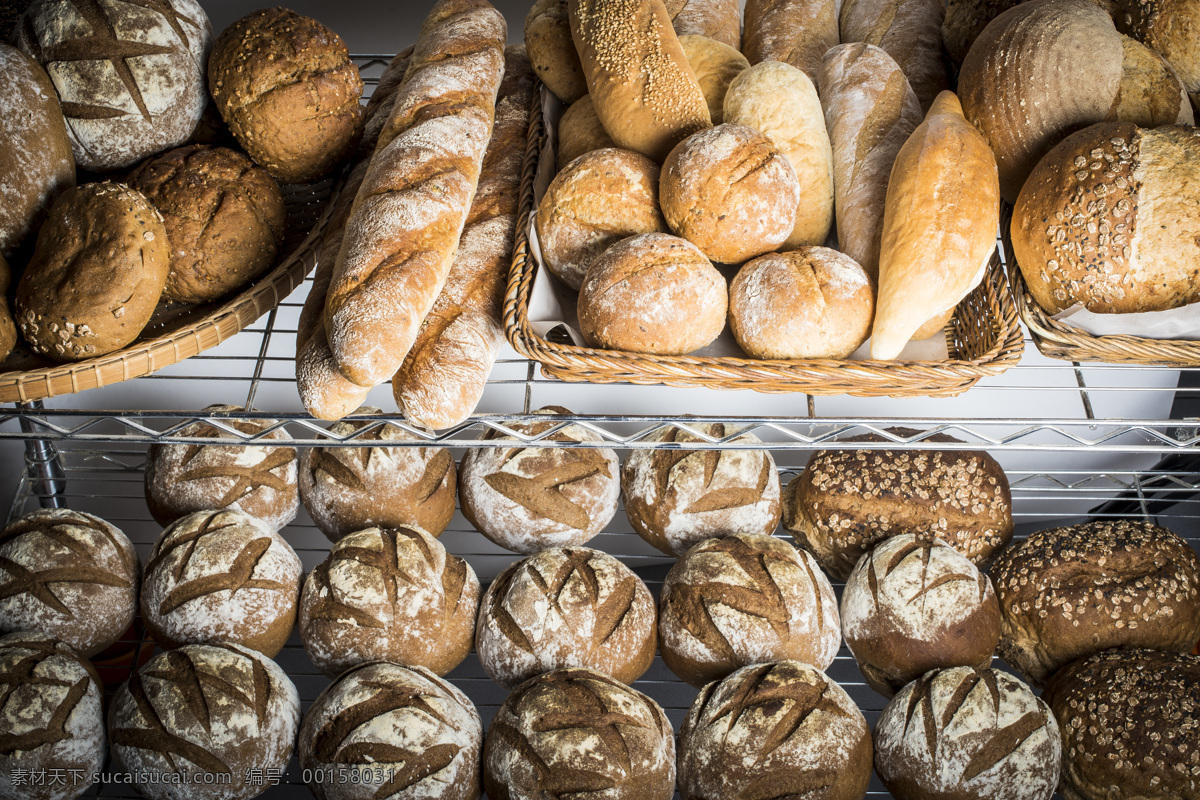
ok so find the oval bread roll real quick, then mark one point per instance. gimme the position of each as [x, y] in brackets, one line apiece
[552, 51]
[716, 64]
[580, 131]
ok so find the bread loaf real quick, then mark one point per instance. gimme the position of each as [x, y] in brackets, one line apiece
[552, 50]
[715, 64]
[1172, 28]
[965, 20]
[720, 20]
[8, 328]
[939, 226]
[796, 32]
[1150, 93]
[910, 31]
[580, 131]
[870, 111]
[379, 107]
[402, 233]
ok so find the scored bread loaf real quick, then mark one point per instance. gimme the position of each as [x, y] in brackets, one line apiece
[797, 32]
[714, 19]
[403, 230]
[1172, 28]
[911, 33]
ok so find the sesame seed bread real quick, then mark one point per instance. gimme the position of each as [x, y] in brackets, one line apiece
[580, 131]
[552, 50]
[796, 32]
[716, 64]
[720, 20]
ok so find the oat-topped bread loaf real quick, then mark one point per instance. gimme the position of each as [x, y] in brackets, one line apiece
[966, 733]
[409, 734]
[552, 51]
[130, 75]
[257, 478]
[69, 575]
[204, 709]
[1130, 723]
[51, 719]
[719, 20]
[566, 607]
[847, 500]
[774, 730]
[676, 498]
[347, 489]
[577, 731]
[743, 600]
[391, 594]
[529, 498]
[1066, 593]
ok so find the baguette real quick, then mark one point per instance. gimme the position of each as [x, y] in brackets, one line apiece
[714, 19]
[379, 107]
[911, 33]
[797, 32]
[444, 375]
[403, 231]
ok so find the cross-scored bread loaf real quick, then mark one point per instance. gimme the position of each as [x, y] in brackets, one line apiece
[796, 32]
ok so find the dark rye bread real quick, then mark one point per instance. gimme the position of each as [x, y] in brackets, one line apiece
[1130, 723]
[1066, 593]
[578, 732]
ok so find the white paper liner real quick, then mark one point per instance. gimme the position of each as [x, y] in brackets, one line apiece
[1181, 323]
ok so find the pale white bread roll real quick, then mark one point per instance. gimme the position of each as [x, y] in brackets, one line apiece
[911, 33]
[714, 19]
[641, 85]
[1151, 93]
[552, 51]
[870, 111]
[403, 231]
[716, 64]
[580, 131]
[779, 101]
[939, 225]
[798, 32]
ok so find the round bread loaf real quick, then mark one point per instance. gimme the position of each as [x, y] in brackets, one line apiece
[566, 607]
[130, 75]
[577, 731]
[912, 606]
[715, 64]
[96, 275]
[391, 594]
[731, 192]
[8, 328]
[652, 293]
[1066, 593]
[289, 92]
[676, 498]
[412, 735]
[847, 500]
[1172, 28]
[1108, 219]
[742, 600]
[786, 726]
[1151, 93]
[51, 720]
[720, 20]
[526, 499]
[594, 202]
[204, 709]
[552, 51]
[224, 218]
[966, 733]
[69, 575]
[258, 479]
[1130, 723]
[221, 576]
[580, 131]
[347, 489]
[813, 302]
[965, 20]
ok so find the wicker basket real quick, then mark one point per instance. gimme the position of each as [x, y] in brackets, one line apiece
[983, 338]
[177, 332]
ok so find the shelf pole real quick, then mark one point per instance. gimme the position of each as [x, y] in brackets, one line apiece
[43, 464]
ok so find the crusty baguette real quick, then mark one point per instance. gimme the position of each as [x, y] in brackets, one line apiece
[911, 33]
[379, 107]
[798, 32]
[446, 371]
[404, 228]
[715, 19]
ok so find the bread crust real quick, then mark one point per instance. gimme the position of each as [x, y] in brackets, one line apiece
[796, 32]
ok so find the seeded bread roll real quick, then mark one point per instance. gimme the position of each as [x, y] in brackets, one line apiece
[911, 33]
[965, 733]
[796, 32]
[1172, 28]
[743, 600]
[720, 20]
[580, 131]
[566, 607]
[676, 498]
[731, 744]
[69, 575]
[8, 329]
[579, 731]
[414, 733]
[51, 719]
[552, 51]
[715, 64]
[391, 594]
[1066, 593]
[1151, 93]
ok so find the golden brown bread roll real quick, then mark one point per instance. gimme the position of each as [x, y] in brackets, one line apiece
[797, 32]
[580, 131]
[715, 64]
[552, 51]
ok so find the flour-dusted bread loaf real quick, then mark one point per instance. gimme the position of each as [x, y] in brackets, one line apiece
[731, 744]
[796, 32]
[870, 111]
[415, 734]
[552, 50]
[70, 575]
[741, 600]
[637, 74]
[1150, 93]
[566, 607]
[580, 131]
[1172, 28]
[713, 19]
[391, 594]
[130, 75]
[716, 64]
[911, 33]
[204, 709]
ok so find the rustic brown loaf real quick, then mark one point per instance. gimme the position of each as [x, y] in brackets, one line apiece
[715, 64]
[731, 745]
[552, 50]
[741, 600]
[1171, 27]
[870, 111]
[1066, 593]
[1150, 93]
[720, 20]
[911, 33]
[566, 607]
[911, 606]
[70, 575]
[965, 20]
[403, 230]
[580, 131]
[581, 732]
[965, 733]
[796, 32]
[96, 275]
[418, 733]
[8, 328]
[391, 594]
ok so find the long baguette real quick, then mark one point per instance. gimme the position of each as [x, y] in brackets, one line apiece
[379, 107]
[404, 228]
